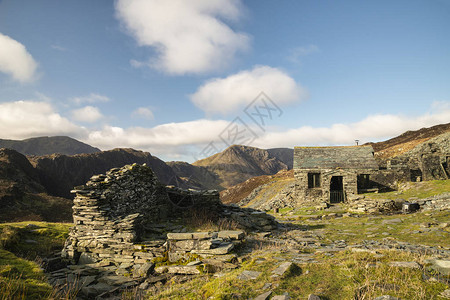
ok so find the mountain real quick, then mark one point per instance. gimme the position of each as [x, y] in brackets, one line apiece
[48, 145]
[22, 196]
[195, 176]
[60, 173]
[239, 163]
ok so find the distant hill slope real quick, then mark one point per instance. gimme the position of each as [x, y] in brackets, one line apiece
[239, 163]
[195, 176]
[407, 141]
[22, 196]
[60, 173]
[48, 145]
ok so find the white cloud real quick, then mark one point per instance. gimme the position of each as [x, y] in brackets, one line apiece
[188, 36]
[88, 114]
[195, 132]
[225, 95]
[372, 128]
[91, 98]
[144, 112]
[15, 60]
[25, 119]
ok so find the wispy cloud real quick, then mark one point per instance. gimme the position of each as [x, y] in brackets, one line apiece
[189, 36]
[91, 98]
[297, 53]
[58, 47]
[15, 60]
[143, 112]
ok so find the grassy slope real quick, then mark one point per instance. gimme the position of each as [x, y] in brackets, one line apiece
[20, 274]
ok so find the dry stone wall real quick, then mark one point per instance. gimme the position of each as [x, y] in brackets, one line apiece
[116, 214]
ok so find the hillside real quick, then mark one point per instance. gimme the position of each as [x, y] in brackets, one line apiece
[407, 141]
[22, 196]
[239, 163]
[48, 145]
[60, 173]
[194, 176]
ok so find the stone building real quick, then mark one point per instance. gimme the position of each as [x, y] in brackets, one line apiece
[331, 174]
[337, 174]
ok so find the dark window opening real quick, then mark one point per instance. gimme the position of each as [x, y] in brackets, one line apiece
[313, 180]
[364, 181]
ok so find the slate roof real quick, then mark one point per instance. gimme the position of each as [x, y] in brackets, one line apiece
[351, 157]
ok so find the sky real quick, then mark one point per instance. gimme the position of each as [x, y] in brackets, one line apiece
[186, 79]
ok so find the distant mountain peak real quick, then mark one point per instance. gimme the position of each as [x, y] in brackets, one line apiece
[46, 145]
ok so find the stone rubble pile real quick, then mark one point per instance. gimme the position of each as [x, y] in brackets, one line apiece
[439, 202]
[183, 245]
[371, 206]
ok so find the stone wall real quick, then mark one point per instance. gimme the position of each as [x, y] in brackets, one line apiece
[306, 195]
[119, 216]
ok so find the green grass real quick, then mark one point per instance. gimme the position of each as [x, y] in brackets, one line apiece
[20, 275]
[420, 190]
[342, 276]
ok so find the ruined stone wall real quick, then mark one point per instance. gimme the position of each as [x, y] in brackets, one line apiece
[122, 217]
[112, 211]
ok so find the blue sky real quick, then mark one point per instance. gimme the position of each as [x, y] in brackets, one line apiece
[174, 77]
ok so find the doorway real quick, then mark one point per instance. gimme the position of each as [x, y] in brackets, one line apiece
[336, 189]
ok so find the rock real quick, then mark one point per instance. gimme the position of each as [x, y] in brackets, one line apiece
[86, 258]
[247, 275]
[281, 297]
[387, 297]
[184, 270]
[234, 235]
[264, 296]
[194, 263]
[405, 264]
[391, 221]
[222, 249]
[313, 297]
[284, 267]
[445, 294]
[441, 266]
[144, 270]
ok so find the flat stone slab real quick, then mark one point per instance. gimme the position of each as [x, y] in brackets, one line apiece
[264, 296]
[387, 297]
[222, 249]
[282, 268]
[231, 234]
[442, 266]
[281, 297]
[179, 236]
[249, 275]
[184, 270]
[405, 264]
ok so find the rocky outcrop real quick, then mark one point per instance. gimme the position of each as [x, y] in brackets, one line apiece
[22, 196]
